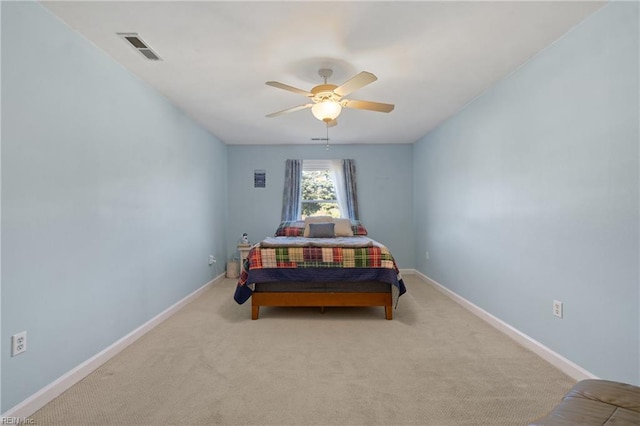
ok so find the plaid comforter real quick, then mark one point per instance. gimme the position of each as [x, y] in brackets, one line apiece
[295, 263]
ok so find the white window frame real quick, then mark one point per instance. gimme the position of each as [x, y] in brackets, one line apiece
[319, 166]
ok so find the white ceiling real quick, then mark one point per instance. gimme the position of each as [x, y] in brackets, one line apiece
[431, 58]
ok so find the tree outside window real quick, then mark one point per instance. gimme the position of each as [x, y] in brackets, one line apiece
[319, 194]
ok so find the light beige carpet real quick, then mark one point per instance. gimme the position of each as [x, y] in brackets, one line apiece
[209, 364]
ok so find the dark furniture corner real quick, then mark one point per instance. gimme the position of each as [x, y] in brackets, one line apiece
[596, 402]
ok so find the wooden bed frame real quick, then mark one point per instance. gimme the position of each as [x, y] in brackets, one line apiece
[321, 300]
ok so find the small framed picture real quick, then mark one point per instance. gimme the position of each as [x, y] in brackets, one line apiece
[259, 178]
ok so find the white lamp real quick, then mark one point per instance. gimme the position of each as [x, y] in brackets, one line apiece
[326, 111]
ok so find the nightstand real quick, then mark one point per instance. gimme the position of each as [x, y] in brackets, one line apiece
[244, 252]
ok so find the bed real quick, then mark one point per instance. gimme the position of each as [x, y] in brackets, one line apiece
[320, 262]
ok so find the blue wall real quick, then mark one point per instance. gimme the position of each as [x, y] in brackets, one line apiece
[534, 189]
[112, 200]
[384, 175]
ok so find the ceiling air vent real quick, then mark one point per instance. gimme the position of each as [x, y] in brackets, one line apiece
[136, 42]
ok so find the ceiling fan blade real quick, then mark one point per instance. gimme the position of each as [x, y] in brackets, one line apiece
[355, 83]
[288, 110]
[368, 105]
[289, 88]
[333, 123]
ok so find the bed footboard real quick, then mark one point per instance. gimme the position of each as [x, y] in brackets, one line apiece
[321, 300]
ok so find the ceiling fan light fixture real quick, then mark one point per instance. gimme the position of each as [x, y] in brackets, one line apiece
[328, 99]
[326, 111]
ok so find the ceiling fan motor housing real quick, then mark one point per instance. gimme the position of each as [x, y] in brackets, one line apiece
[325, 93]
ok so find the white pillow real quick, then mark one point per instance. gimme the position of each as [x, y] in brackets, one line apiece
[315, 219]
[343, 228]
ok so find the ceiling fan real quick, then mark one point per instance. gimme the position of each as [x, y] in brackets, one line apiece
[328, 99]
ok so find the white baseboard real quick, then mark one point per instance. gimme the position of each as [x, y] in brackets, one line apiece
[64, 382]
[563, 364]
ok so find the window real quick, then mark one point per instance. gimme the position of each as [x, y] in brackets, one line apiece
[319, 196]
[319, 187]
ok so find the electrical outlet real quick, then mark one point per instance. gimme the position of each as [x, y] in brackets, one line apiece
[18, 343]
[557, 308]
[426, 255]
[212, 259]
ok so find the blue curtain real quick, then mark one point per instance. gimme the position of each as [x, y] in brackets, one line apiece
[292, 195]
[349, 168]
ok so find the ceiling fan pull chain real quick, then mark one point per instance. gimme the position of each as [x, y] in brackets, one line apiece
[327, 136]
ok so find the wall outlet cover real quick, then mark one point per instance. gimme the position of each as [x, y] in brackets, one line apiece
[557, 308]
[18, 343]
